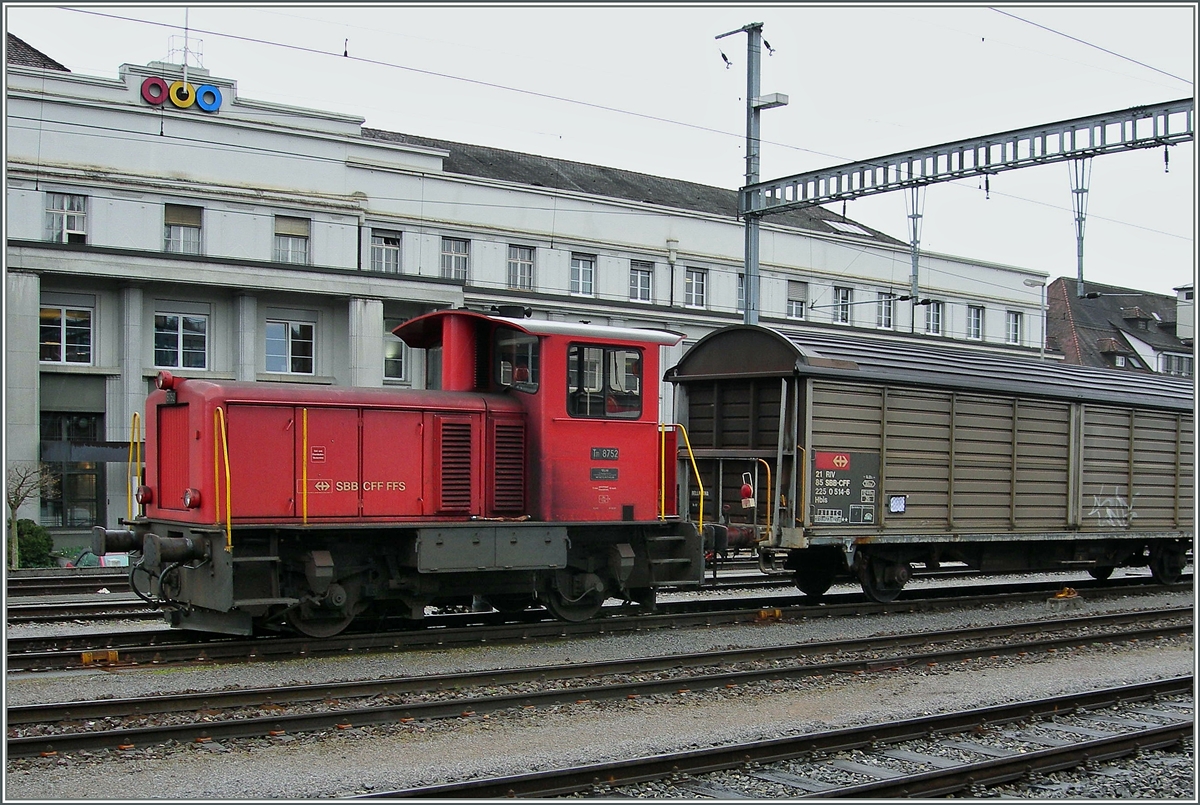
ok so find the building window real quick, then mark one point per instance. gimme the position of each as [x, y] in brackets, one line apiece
[1012, 327]
[694, 282]
[181, 228]
[797, 299]
[456, 258]
[975, 322]
[385, 251]
[395, 352]
[66, 218]
[583, 274]
[65, 335]
[291, 240]
[1170, 364]
[741, 297]
[1119, 361]
[290, 347]
[933, 318]
[885, 309]
[78, 502]
[641, 279]
[180, 341]
[843, 298]
[604, 382]
[520, 267]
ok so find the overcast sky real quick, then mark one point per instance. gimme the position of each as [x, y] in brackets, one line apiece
[645, 88]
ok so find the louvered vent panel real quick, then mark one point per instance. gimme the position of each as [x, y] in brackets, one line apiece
[173, 456]
[510, 468]
[456, 466]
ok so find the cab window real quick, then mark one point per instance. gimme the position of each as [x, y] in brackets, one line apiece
[517, 364]
[604, 382]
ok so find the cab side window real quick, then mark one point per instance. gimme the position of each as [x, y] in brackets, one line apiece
[517, 364]
[604, 382]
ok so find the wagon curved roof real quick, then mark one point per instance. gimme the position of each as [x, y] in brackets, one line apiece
[755, 351]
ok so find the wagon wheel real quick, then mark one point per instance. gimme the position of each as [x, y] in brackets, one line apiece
[1100, 572]
[814, 581]
[1167, 563]
[575, 603]
[882, 579]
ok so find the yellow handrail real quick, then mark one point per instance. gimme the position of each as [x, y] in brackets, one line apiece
[662, 466]
[135, 438]
[304, 470]
[696, 472]
[770, 494]
[219, 416]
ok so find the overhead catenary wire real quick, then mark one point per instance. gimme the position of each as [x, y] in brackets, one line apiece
[553, 207]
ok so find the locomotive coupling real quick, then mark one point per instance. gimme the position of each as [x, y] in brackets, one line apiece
[158, 550]
[115, 539]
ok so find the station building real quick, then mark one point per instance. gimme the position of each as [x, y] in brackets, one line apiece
[237, 239]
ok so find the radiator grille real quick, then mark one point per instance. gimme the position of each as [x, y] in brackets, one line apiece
[510, 468]
[456, 466]
[173, 456]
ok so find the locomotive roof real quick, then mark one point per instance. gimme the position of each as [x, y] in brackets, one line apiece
[755, 351]
[425, 331]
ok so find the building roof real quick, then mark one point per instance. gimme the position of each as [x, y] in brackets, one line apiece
[1091, 331]
[562, 174]
[23, 54]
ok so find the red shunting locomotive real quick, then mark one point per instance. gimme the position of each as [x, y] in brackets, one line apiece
[536, 473]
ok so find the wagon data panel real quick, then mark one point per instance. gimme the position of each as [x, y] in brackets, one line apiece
[845, 488]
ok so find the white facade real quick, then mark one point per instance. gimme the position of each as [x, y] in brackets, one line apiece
[254, 178]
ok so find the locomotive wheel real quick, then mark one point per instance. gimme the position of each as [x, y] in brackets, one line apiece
[1167, 563]
[318, 627]
[814, 581]
[573, 611]
[1100, 572]
[574, 596]
[882, 579]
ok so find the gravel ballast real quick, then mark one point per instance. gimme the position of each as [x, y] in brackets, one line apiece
[358, 760]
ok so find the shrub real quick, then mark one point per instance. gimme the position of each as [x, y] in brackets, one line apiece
[35, 544]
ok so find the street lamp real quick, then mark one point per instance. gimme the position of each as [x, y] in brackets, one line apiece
[1032, 283]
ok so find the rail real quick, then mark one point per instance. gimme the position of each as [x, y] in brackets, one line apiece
[135, 445]
[223, 445]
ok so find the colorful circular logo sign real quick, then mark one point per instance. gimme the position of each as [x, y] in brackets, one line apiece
[156, 91]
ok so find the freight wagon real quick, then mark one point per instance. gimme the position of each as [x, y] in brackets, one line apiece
[864, 457]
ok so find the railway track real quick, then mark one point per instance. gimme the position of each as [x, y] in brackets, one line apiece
[222, 714]
[928, 756]
[75, 581]
[166, 646]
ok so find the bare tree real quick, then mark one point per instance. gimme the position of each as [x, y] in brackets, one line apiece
[25, 480]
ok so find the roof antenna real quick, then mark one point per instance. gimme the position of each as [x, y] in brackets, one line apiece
[185, 50]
